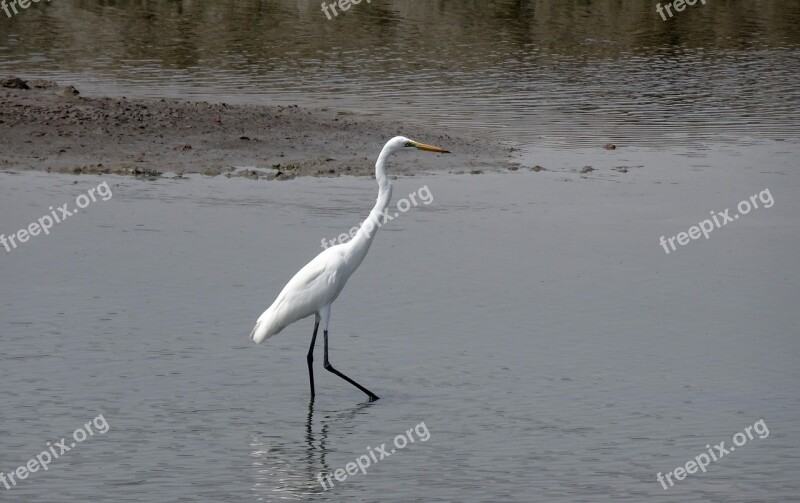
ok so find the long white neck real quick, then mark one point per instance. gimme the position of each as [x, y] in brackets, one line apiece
[359, 245]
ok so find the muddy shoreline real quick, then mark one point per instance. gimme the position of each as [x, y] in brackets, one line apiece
[49, 127]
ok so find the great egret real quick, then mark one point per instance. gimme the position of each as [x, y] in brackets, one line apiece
[314, 288]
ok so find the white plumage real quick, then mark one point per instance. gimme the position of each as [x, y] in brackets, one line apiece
[314, 288]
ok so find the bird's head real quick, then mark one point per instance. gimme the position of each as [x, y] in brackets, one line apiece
[401, 142]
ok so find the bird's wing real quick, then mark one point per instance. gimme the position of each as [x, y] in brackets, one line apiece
[314, 286]
[313, 283]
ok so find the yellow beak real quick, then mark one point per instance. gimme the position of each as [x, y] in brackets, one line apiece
[430, 148]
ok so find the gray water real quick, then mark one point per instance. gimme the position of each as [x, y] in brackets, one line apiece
[541, 73]
[531, 321]
[552, 349]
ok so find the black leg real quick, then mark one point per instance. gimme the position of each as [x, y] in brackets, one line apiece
[310, 357]
[372, 396]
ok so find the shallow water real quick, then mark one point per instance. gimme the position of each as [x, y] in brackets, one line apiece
[543, 73]
[530, 320]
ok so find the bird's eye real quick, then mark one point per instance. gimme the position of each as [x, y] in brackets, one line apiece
[408, 144]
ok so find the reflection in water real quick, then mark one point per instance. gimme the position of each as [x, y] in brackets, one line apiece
[311, 448]
[534, 72]
[287, 471]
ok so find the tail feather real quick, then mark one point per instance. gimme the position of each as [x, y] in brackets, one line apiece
[255, 333]
[266, 327]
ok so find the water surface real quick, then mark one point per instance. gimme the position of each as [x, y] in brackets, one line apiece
[531, 320]
[545, 73]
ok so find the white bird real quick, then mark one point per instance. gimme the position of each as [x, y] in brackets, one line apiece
[314, 288]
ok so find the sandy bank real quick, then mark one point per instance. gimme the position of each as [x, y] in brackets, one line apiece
[53, 128]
